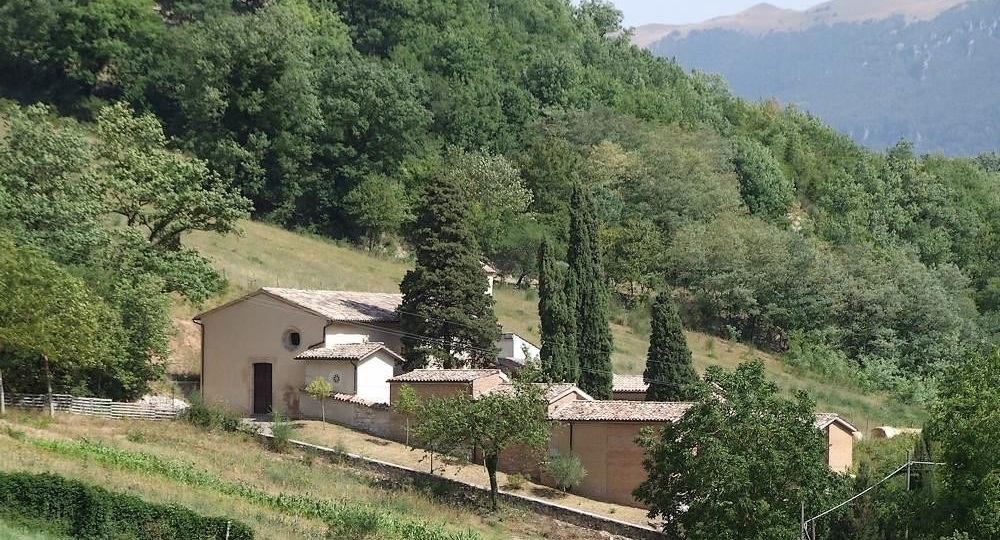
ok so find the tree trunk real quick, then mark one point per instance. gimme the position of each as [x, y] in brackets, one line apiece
[491, 469]
[3, 405]
[48, 384]
[322, 407]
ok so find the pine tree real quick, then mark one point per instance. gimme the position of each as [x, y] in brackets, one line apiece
[587, 289]
[558, 320]
[669, 372]
[446, 314]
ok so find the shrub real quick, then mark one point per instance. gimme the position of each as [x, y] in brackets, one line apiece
[281, 432]
[82, 510]
[136, 436]
[211, 417]
[566, 470]
[516, 481]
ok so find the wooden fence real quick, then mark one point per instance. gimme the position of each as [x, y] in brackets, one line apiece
[93, 406]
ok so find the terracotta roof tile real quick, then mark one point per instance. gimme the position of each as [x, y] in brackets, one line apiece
[446, 375]
[343, 305]
[351, 398]
[628, 383]
[621, 411]
[346, 351]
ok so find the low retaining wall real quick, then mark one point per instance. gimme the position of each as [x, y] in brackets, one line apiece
[92, 406]
[400, 473]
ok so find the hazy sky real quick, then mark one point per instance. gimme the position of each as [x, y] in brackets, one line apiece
[687, 11]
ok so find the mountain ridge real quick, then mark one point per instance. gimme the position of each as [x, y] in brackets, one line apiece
[764, 17]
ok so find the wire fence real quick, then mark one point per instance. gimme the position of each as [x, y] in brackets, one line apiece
[95, 406]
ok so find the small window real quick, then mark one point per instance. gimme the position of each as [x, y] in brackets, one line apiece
[292, 339]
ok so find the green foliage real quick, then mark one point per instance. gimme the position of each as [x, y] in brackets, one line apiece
[378, 206]
[587, 290]
[210, 417]
[320, 389]
[669, 371]
[459, 424]
[566, 470]
[86, 511]
[634, 256]
[445, 313]
[281, 432]
[763, 185]
[965, 424]
[559, 359]
[704, 482]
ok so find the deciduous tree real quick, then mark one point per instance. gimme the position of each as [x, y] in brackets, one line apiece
[738, 467]
[490, 423]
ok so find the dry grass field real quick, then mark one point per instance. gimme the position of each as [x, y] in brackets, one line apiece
[217, 474]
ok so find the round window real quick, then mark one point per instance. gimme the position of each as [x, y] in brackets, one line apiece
[335, 378]
[292, 339]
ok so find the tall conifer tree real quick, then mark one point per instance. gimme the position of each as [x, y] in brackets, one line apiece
[446, 313]
[587, 289]
[558, 320]
[669, 372]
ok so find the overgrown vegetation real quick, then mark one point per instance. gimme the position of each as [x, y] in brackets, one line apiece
[328, 116]
[81, 510]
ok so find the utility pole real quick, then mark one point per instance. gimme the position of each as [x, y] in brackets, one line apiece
[906, 466]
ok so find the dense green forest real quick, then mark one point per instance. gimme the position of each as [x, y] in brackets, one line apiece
[331, 116]
[930, 81]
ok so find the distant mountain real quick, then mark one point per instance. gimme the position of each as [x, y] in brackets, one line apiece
[878, 70]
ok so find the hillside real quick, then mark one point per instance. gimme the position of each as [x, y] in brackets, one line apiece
[269, 256]
[231, 474]
[878, 71]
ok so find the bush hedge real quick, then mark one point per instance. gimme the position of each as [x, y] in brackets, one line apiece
[85, 511]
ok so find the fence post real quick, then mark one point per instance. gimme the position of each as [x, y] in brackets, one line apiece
[3, 404]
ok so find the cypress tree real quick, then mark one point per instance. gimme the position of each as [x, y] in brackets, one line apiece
[669, 372]
[446, 314]
[558, 320]
[587, 289]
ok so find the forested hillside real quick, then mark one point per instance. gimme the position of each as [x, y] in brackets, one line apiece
[880, 80]
[331, 116]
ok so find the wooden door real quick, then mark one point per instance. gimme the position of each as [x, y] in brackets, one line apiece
[262, 388]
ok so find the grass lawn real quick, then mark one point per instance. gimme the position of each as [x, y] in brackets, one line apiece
[270, 256]
[239, 460]
[10, 531]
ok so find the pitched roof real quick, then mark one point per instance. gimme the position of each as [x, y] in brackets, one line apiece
[446, 375]
[347, 351]
[333, 305]
[343, 305]
[550, 391]
[824, 419]
[621, 411]
[352, 398]
[628, 383]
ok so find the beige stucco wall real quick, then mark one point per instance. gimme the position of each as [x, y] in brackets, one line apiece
[250, 331]
[341, 371]
[840, 454]
[374, 373]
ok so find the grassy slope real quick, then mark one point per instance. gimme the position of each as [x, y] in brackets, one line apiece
[239, 458]
[270, 256]
[14, 532]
